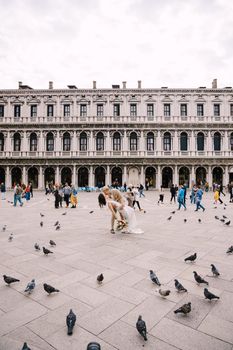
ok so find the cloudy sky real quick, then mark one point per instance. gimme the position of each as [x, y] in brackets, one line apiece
[174, 43]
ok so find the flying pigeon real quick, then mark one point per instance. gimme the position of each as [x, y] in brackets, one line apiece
[52, 243]
[224, 216]
[216, 217]
[169, 218]
[154, 278]
[4, 228]
[214, 270]
[164, 293]
[30, 286]
[173, 212]
[47, 251]
[36, 246]
[222, 220]
[70, 322]
[91, 212]
[208, 295]
[191, 257]
[49, 289]
[199, 279]
[9, 279]
[185, 220]
[42, 215]
[184, 309]
[230, 249]
[41, 224]
[56, 223]
[10, 238]
[58, 227]
[227, 223]
[141, 327]
[179, 286]
[100, 278]
[64, 213]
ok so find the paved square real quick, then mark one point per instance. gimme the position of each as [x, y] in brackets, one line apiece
[107, 313]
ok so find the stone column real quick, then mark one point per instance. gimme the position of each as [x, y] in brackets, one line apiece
[125, 143]
[159, 178]
[74, 175]
[124, 178]
[192, 179]
[175, 147]
[8, 178]
[210, 177]
[40, 179]
[24, 176]
[159, 142]
[107, 176]
[91, 177]
[175, 178]
[142, 176]
[226, 176]
[57, 175]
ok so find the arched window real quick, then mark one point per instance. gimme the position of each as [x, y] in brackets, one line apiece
[33, 142]
[183, 141]
[217, 141]
[83, 141]
[100, 142]
[200, 141]
[17, 142]
[150, 142]
[133, 141]
[1, 142]
[231, 141]
[116, 141]
[66, 142]
[50, 142]
[167, 142]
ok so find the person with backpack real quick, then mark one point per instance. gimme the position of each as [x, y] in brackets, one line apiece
[3, 191]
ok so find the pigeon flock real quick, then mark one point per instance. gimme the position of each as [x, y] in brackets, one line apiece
[184, 309]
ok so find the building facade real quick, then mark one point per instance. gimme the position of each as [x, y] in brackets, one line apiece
[98, 136]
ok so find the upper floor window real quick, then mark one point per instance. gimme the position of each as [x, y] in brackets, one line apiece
[217, 141]
[100, 142]
[83, 141]
[116, 141]
[200, 109]
[167, 142]
[231, 110]
[17, 111]
[216, 109]
[33, 142]
[66, 110]
[183, 141]
[17, 142]
[183, 109]
[66, 142]
[167, 109]
[100, 110]
[1, 111]
[83, 110]
[200, 141]
[150, 141]
[1, 142]
[231, 141]
[133, 110]
[133, 141]
[49, 110]
[50, 142]
[116, 110]
[150, 110]
[33, 111]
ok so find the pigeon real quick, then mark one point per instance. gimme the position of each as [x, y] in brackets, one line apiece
[179, 286]
[9, 279]
[230, 249]
[209, 295]
[47, 251]
[58, 227]
[224, 216]
[36, 246]
[91, 212]
[199, 220]
[52, 243]
[25, 347]
[56, 223]
[154, 278]
[70, 322]
[141, 327]
[185, 220]
[64, 213]
[199, 279]
[225, 205]
[49, 289]
[216, 217]
[10, 238]
[222, 220]
[173, 212]
[169, 218]
[214, 270]
[100, 278]
[93, 346]
[191, 257]
[4, 228]
[224, 208]
[227, 223]
[164, 293]
[42, 215]
[41, 224]
[184, 309]
[30, 286]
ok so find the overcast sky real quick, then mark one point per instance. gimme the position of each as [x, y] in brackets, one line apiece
[174, 43]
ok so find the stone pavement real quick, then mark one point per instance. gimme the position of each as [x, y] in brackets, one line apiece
[107, 313]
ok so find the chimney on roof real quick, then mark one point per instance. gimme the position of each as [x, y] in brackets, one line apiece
[214, 84]
[50, 85]
[20, 84]
[94, 84]
[139, 84]
[124, 84]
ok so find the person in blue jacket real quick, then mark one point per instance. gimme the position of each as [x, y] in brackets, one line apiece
[180, 198]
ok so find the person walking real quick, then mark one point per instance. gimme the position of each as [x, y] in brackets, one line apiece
[31, 189]
[3, 191]
[67, 192]
[136, 198]
[57, 197]
[173, 193]
[61, 194]
[180, 198]
[17, 195]
[27, 193]
[140, 190]
[74, 197]
[199, 195]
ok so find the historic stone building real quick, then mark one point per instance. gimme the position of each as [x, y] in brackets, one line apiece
[97, 136]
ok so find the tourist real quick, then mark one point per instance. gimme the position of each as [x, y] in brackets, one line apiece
[198, 200]
[136, 198]
[74, 197]
[61, 194]
[125, 187]
[221, 189]
[57, 197]
[130, 196]
[193, 194]
[47, 191]
[180, 198]
[147, 184]
[140, 190]
[27, 193]
[67, 192]
[161, 195]
[3, 191]
[173, 193]
[31, 189]
[17, 195]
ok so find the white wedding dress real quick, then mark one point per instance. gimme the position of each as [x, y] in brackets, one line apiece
[129, 216]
